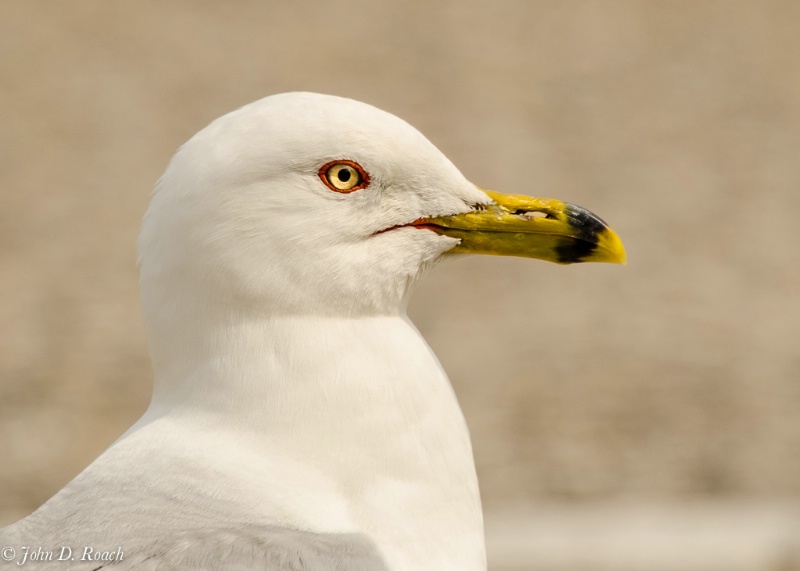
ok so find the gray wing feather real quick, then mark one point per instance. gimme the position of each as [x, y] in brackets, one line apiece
[268, 549]
[174, 522]
[242, 548]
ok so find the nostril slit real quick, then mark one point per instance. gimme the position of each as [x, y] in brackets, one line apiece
[531, 214]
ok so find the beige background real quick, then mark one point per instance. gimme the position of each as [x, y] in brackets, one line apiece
[623, 418]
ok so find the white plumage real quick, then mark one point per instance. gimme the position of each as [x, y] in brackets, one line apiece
[291, 391]
[298, 419]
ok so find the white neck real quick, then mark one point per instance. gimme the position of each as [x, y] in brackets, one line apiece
[344, 425]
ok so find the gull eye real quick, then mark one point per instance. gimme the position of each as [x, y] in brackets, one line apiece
[343, 176]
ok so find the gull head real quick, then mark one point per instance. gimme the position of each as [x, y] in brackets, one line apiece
[307, 203]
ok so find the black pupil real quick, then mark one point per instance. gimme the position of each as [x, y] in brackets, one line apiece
[343, 175]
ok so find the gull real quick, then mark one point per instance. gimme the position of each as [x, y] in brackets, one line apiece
[298, 418]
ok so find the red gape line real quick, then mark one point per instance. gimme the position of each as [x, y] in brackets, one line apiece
[421, 223]
[323, 175]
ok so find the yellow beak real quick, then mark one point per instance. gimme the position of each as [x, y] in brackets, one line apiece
[530, 227]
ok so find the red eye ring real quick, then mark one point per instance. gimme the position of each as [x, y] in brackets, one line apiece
[343, 176]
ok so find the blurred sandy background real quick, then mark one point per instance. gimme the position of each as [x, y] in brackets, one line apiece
[644, 418]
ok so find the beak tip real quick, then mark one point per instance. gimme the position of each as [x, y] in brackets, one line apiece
[611, 243]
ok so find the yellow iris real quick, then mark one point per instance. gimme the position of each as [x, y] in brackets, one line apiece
[343, 176]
